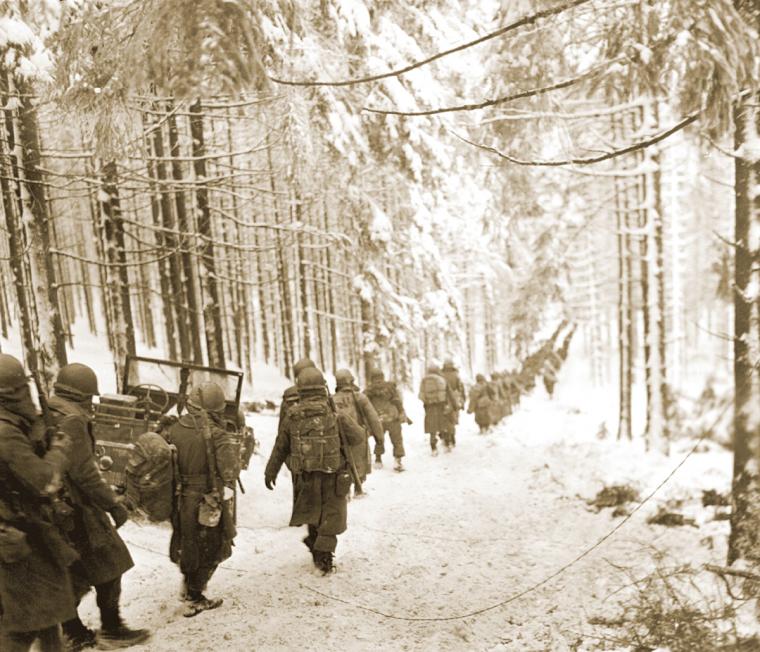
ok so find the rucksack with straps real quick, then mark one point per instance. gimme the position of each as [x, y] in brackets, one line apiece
[314, 437]
[433, 389]
[383, 396]
[150, 473]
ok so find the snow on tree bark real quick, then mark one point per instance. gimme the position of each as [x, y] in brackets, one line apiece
[212, 314]
[50, 345]
[117, 274]
[744, 540]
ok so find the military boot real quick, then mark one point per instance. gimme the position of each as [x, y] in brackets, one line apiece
[325, 562]
[199, 602]
[398, 466]
[308, 541]
[378, 462]
[115, 634]
[76, 636]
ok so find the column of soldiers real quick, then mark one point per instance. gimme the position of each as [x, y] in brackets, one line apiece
[490, 401]
[59, 518]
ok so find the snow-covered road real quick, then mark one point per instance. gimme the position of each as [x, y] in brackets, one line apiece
[451, 535]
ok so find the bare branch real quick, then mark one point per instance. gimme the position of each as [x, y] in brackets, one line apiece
[642, 144]
[565, 83]
[527, 20]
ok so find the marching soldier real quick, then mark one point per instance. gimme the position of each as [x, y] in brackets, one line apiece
[203, 526]
[351, 402]
[439, 403]
[103, 556]
[481, 399]
[385, 398]
[317, 440]
[36, 593]
[451, 374]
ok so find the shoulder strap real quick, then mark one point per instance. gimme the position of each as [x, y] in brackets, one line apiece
[359, 410]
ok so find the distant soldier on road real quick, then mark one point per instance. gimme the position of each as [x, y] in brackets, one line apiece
[481, 399]
[386, 399]
[316, 439]
[440, 404]
[451, 374]
[351, 402]
[203, 526]
[36, 593]
[103, 555]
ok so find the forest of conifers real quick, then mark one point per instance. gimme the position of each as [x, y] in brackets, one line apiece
[230, 182]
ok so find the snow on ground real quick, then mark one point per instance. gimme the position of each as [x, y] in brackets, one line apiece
[451, 535]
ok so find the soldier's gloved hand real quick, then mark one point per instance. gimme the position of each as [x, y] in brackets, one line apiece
[59, 440]
[409, 422]
[119, 514]
[270, 481]
[228, 493]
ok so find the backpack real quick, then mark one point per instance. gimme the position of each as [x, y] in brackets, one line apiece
[433, 390]
[345, 403]
[382, 395]
[150, 474]
[314, 437]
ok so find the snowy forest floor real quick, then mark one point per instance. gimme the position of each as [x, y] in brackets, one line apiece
[451, 535]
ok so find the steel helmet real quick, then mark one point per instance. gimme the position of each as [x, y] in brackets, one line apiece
[77, 378]
[208, 396]
[303, 363]
[343, 377]
[12, 374]
[310, 377]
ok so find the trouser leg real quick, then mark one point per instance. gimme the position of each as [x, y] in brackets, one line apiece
[107, 597]
[326, 543]
[434, 440]
[199, 578]
[311, 537]
[380, 446]
[50, 639]
[16, 641]
[394, 431]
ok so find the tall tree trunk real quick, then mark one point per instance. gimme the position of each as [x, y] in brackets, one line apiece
[625, 307]
[15, 239]
[302, 264]
[189, 280]
[157, 197]
[624, 332]
[51, 344]
[117, 272]
[211, 303]
[263, 312]
[330, 284]
[282, 273]
[644, 188]
[368, 335]
[744, 540]
[663, 396]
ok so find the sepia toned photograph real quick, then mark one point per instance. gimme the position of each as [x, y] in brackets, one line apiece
[359, 325]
